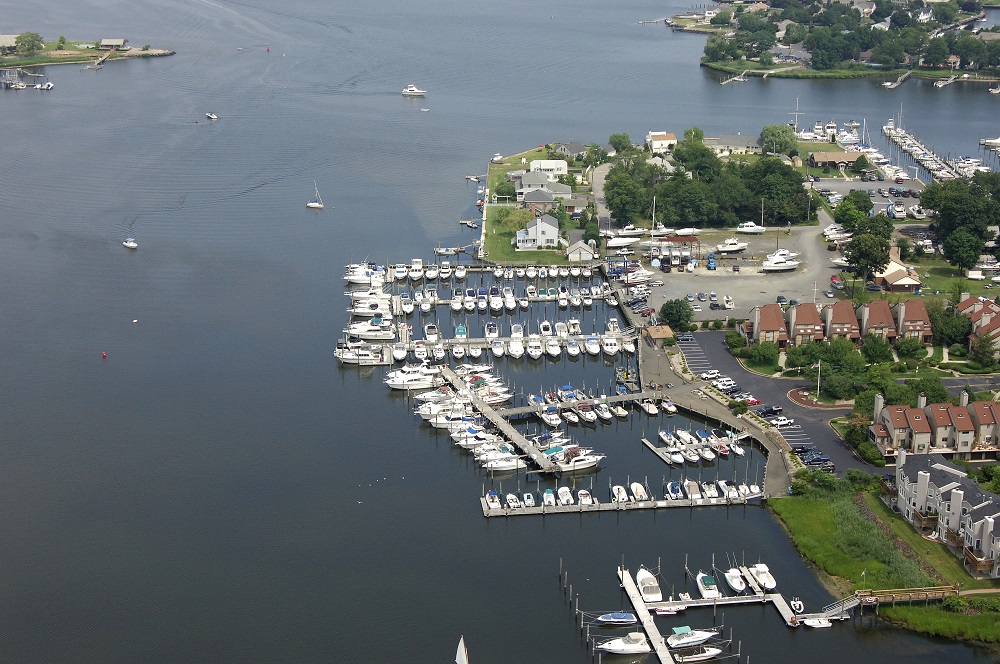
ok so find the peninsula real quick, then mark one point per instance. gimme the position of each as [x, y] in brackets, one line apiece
[29, 49]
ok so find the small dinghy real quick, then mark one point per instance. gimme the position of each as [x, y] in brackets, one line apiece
[797, 605]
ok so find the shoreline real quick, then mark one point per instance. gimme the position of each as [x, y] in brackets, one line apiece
[806, 73]
[84, 59]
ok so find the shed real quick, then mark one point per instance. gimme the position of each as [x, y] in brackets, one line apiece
[109, 43]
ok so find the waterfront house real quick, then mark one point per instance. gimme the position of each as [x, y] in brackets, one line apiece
[660, 141]
[540, 233]
[876, 318]
[841, 321]
[937, 497]
[113, 43]
[581, 252]
[525, 182]
[730, 144]
[538, 201]
[912, 321]
[897, 278]
[550, 168]
[838, 160]
[768, 325]
[572, 150]
[902, 427]
[804, 324]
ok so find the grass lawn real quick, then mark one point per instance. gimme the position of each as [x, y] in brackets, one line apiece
[937, 555]
[939, 277]
[934, 620]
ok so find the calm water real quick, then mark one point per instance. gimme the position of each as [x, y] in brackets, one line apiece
[217, 489]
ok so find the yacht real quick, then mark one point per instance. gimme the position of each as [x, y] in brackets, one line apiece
[697, 654]
[375, 329]
[445, 271]
[515, 348]
[618, 618]
[460, 272]
[610, 345]
[400, 271]
[707, 586]
[431, 271]
[534, 347]
[412, 90]
[779, 264]
[684, 637]
[731, 246]
[552, 347]
[633, 643]
[649, 587]
[751, 228]
[414, 377]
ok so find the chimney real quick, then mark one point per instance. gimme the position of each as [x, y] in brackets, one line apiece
[985, 319]
[963, 398]
[879, 404]
[901, 316]
[963, 297]
[921, 401]
[863, 318]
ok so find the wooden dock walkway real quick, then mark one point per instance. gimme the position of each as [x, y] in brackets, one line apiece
[639, 606]
[615, 399]
[513, 435]
[665, 503]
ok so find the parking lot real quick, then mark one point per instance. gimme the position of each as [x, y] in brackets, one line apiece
[810, 427]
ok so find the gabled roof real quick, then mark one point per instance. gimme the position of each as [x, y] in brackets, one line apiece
[879, 315]
[770, 319]
[533, 177]
[946, 414]
[983, 411]
[915, 315]
[843, 320]
[807, 320]
[905, 417]
[538, 196]
[545, 219]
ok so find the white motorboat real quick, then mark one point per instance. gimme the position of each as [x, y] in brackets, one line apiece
[706, 453]
[697, 654]
[917, 212]
[622, 242]
[374, 329]
[445, 270]
[414, 377]
[592, 345]
[586, 413]
[736, 448]
[619, 494]
[534, 347]
[549, 498]
[545, 328]
[610, 345]
[317, 201]
[778, 264]
[412, 90]
[633, 643]
[574, 462]
[503, 465]
[762, 575]
[573, 327]
[497, 348]
[362, 354]
[528, 499]
[649, 406]
[570, 416]
[513, 502]
[573, 348]
[616, 619]
[416, 271]
[431, 271]
[431, 333]
[783, 254]
[735, 579]
[707, 586]
[708, 490]
[692, 489]
[649, 587]
[458, 351]
[399, 351]
[685, 637]
[817, 622]
[668, 407]
[750, 228]
[377, 307]
[420, 350]
[211, 116]
[731, 246]
[687, 232]
[584, 497]
[638, 493]
[565, 496]
[460, 271]
[603, 412]
[552, 347]
[493, 500]
[130, 243]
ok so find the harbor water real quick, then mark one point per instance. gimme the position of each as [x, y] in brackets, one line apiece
[215, 487]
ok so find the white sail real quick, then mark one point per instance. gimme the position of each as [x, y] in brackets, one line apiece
[317, 202]
[462, 657]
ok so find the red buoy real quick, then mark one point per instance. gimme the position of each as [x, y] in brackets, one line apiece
[104, 356]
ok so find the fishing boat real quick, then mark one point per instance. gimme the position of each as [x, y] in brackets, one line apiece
[211, 116]
[584, 497]
[528, 499]
[751, 228]
[412, 90]
[649, 406]
[616, 619]
[762, 575]
[707, 586]
[633, 643]
[565, 496]
[648, 586]
[130, 243]
[639, 492]
[549, 498]
[674, 490]
[685, 637]
[619, 494]
[735, 579]
[513, 502]
[493, 500]
[731, 246]
[817, 622]
[317, 201]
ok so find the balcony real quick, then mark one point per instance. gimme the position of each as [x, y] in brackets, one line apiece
[954, 539]
[889, 488]
[977, 562]
[928, 521]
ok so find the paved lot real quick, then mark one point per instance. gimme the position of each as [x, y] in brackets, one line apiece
[811, 425]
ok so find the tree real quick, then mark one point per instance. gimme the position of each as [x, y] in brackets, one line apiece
[860, 165]
[778, 138]
[620, 142]
[722, 18]
[592, 232]
[868, 254]
[766, 59]
[903, 244]
[910, 347]
[982, 350]
[505, 189]
[962, 249]
[28, 43]
[61, 43]
[937, 52]
[876, 349]
[623, 196]
[763, 353]
[677, 314]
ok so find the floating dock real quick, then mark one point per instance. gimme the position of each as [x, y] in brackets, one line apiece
[656, 640]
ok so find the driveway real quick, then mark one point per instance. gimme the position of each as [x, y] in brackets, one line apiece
[811, 425]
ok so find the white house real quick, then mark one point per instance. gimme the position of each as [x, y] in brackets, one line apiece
[660, 141]
[541, 233]
[550, 168]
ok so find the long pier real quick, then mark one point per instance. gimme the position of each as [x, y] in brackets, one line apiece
[665, 503]
[617, 398]
[518, 439]
[656, 640]
[898, 81]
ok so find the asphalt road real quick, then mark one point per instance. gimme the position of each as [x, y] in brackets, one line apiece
[708, 351]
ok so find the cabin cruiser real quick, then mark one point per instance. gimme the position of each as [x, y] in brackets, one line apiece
[534, 347]
[431, 332]
[633, 643]
[779, 264]
[497, 348]
[375, 328]
[469, 299]
[412, 90]
[592, 345]
[414, 377]
[573, 348]
[684, 637]
[603, 412]
[431, 271]
[750, 228]
[618, 618]
[649, 587]
[416, 271]
[610, 345]
[552, 347]
[445, 271]
[515, 348]
[731, 246]
[377, 307]
[697, 654]
[360, 353]
[707, 586]
[574, 459]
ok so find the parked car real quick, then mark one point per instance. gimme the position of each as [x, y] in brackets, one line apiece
[793, 302]
[702, 297]
[690, 297]
[736, 268]
[722, 382]
[648, 311]
[634, 301]
[711, 374]
[782, 421]
[732, 390]
[753, 401]
[714, 306]
[830, 293]
[656, 282]
[801, 449]
[781, 299]
[685, 337]
[768, 411]
[874, 288]
[696, 308]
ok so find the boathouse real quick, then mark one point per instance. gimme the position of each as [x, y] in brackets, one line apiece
[113, 43]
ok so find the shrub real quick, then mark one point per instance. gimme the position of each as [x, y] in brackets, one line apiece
[954, 604]
[669, 341]
[869, 454]
[738, 407]
[735, 340]
[957, 350]
[910, 364]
